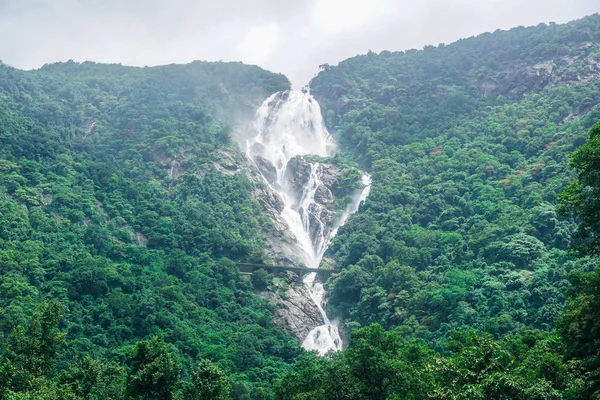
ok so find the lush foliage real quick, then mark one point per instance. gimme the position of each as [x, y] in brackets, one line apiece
[380, 365]
[528, 364]
[580, 323]
[583, 196]
[468, 149]
[153, 371]
[119, 199]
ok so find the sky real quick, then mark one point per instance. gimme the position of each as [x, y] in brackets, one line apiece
[293, 37]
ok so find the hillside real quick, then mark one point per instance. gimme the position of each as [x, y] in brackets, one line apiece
[115, 205]
[467, 145]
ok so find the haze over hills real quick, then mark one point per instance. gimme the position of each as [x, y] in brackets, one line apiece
[293, 39]
[128, 195]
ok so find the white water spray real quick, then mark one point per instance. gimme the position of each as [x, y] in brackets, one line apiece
[289, 124]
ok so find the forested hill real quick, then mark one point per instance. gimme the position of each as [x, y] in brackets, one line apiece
[467, 145]
[116, 202]
[402, 97]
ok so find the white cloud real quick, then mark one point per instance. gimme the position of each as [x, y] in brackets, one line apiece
[292, 37]
[342, 15]
[259, 43]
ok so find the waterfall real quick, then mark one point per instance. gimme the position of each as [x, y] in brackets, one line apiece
[289, 124]
[326, 337]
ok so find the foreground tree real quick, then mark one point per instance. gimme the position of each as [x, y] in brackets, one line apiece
[582, 197]
[30, 357]
[154, 372]
[34, 348]
[92, 379]
[208, 382]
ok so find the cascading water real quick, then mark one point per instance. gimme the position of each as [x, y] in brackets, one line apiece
[326, 337]
[289, 124]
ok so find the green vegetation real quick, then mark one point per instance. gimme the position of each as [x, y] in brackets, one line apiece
[525, 364]
[113, 204]
[580, 322]
[123, 212]
[380, 365]
[459, 253]
[468, 149]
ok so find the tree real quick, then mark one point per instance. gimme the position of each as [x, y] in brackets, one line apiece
[34, 349]
[579, 325]
[208, 382]
[30, 356]
[582, 197]
[522, 250]
[261, 278]
[373, 357]
[154, 372]
[94, 379]
[305, 380]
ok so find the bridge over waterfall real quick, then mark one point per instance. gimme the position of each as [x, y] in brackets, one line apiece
[275, 269]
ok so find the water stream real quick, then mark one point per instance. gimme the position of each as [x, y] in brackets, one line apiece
[289, 124]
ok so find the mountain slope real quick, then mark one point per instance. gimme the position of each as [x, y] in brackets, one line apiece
[117, 201]
[467, 145]
[460, 251]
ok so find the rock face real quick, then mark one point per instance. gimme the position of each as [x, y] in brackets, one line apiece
[549, 73]
[295, 312]
[300, 177]
[297, 175]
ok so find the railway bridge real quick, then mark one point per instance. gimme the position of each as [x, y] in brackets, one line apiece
[323, 273]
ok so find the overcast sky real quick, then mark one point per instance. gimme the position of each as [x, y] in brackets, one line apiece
[289, 36]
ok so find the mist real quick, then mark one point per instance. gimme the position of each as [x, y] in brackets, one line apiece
[293, 38]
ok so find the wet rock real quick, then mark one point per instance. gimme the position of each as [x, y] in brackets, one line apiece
[176, 170]
[329, 175]
[323, 195]
[316, 215]
[266, 169]
[297, 175]
[257, 149]
[281, 246]
[295, 312]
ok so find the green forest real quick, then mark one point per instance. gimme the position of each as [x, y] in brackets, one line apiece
[470, 272]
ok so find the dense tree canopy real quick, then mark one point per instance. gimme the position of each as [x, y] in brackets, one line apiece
[580, 323]
[468, 149]
[583, 196]
[118, 201]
